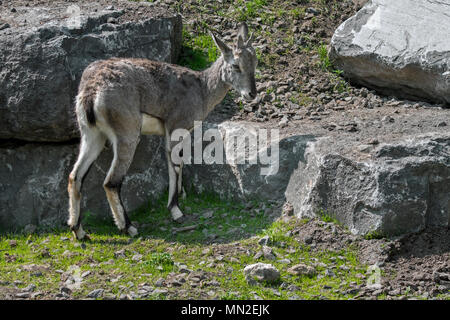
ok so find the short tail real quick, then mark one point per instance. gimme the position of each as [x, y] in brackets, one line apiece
[87, 101]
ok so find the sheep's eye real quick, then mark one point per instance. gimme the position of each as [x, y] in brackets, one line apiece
[236, 68]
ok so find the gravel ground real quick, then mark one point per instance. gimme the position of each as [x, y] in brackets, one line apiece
[414, 265]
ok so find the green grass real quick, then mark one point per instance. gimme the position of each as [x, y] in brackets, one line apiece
[234, 227]
[158, 261]
[198, 50]
[267, 18]
[297, 13]
[325, 63]
[327, 217]
[339, 84]
[374, 235]
[246, 10]
[301, 99]
[335, 75]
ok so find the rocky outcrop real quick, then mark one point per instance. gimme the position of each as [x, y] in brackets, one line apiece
[396, 188]
[393, 187]
[44, 50]
[389, 188]
[33, 182]
[397, 47]
[263, 171]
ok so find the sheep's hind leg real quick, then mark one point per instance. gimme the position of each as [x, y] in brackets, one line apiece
[92, 143]
[123, 155]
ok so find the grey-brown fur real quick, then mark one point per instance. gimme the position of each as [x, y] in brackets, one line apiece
[115, 96]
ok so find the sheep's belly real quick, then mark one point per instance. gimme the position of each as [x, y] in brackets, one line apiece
[152, 125]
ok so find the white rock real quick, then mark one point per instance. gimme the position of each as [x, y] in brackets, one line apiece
[399, 47]
[261, 272]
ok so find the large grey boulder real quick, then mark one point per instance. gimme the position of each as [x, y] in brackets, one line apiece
[262, 172]
[398, 186]
[44, 51]
[393, 188]
[33, 182]
[397, 47]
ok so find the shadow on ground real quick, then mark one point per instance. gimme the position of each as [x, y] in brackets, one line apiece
[209, 219]
[432, 241]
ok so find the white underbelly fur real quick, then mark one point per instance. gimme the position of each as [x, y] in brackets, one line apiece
[152, 125]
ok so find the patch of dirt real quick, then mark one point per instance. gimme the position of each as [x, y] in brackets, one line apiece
[421, 262]
[320, 236]
[416, 264]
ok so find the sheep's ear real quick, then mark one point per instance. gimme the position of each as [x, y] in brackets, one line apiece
[240, 42]
[226, 50]
[249, 40]
[243, 32]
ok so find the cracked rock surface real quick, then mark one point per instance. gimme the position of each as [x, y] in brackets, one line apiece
[46, 47]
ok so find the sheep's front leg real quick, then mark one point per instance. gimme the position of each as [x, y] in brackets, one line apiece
[174, 172]
[181, 190]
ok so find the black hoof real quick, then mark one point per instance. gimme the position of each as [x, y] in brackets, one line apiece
[180, 220]
[85, 237]
[130, 231]
[79, 234]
